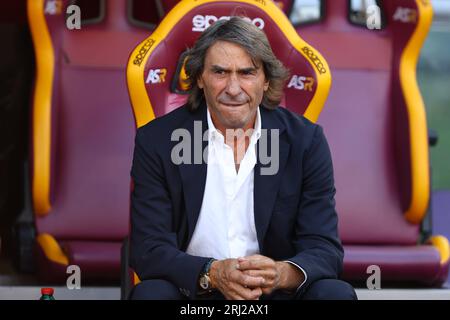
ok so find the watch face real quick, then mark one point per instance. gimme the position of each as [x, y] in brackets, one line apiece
[204, 283]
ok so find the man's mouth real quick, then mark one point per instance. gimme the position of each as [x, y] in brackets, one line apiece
[234, 104]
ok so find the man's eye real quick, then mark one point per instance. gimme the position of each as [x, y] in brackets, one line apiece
[219, 72]
[248, 72]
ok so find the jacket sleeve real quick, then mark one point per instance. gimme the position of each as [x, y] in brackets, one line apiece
[153, 247]
[319, 250]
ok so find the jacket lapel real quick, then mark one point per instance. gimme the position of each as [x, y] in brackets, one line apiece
[266, 186]
[193, 176]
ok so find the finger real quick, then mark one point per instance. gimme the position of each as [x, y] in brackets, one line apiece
[247, 293]
[233, 296]
[270, 276]
[255, 263]
[252, 257]
[234, 292]
[231, 291]
[246, 280]
[267, 274]
[267, 284]
[236, 296]
[267, 291]
[255, 294]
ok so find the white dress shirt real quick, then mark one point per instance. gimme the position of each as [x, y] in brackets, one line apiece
[226, 224]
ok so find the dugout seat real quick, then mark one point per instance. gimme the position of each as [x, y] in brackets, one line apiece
[82, 132]
[376, 127]
[155, 68]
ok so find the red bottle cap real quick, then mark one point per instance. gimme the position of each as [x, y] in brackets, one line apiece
[47, 291]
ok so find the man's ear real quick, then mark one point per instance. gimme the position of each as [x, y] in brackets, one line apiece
[200, 82]
[266, 85]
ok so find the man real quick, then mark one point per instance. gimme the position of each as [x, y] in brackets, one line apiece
[226, 227]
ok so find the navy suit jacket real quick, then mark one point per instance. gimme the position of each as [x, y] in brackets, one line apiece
[294, 209]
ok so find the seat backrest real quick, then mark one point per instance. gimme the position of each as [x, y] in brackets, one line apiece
[375, 120]
[82, 127]
[155, 73]
[154, 66]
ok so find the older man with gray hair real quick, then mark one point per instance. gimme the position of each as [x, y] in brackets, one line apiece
[224, 228]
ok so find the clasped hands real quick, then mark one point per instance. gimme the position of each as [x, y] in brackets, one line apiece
[248, 278]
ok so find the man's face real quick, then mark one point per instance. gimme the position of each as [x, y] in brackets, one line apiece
[233, 86]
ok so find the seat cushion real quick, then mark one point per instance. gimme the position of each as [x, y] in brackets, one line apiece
[419, 264]
[96, 259]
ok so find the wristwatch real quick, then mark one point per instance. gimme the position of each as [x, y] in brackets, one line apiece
[204, 280]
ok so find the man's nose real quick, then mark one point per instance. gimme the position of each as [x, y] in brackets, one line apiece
[233, 86]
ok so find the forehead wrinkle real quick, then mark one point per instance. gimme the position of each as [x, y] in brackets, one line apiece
[234, 57]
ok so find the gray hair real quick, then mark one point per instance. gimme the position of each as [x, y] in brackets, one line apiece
[253, 40]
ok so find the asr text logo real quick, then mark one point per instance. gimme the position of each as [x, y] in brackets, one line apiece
[156, 76]
[405, 15]
[301, 83]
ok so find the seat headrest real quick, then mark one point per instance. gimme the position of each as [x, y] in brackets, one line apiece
[154, 64]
